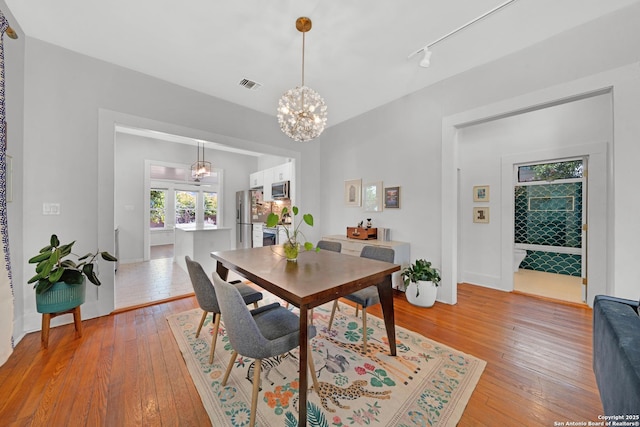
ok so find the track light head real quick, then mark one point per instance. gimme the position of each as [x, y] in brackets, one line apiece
[426, 61]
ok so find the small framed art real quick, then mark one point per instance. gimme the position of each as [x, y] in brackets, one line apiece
[481, 193]
[373, 197]
[353, 192]
[481, 215]
[391, 197]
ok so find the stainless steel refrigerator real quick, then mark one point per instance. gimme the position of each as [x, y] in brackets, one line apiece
[250, 209]
[243, 219]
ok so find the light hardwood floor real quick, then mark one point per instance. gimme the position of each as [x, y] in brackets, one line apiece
[549, 285]
[126, 370]
[158, 279]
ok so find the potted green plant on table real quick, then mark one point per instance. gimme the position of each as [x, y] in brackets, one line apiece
[60, 283]
[421, 281]
[293, 242]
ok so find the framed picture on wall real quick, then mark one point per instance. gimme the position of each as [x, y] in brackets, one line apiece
[481, 193]
[481, 215]
[353, 192]
[373, 197]
[391, 197]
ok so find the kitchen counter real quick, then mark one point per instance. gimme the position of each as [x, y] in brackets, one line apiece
[198, 242]
[193, 227]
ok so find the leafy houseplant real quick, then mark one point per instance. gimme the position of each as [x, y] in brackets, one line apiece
[420, 271]
[52, 268]
[293, 233]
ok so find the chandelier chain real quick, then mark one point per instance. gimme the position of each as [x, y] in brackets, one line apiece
[302, 113]
[303, 34]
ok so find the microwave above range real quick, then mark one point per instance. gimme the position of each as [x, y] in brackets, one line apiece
[280, 190]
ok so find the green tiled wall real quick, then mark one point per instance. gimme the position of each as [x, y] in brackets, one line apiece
[553, 262]
[550, 215]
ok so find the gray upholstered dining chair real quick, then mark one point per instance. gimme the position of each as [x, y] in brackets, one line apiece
[268, 331]
[368, 296]
[206, 296]
[329, 246]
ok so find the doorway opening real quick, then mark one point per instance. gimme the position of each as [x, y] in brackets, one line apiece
[173, 200]
[549, 232]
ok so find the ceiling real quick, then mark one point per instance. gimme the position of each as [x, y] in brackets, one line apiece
[355, 54]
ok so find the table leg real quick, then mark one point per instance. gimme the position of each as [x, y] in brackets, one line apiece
[222, 271]
[304, 345]
[385, 292]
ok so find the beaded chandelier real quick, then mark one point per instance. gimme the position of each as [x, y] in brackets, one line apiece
[302, 113]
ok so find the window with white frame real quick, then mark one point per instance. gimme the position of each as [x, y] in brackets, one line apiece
[176, 200]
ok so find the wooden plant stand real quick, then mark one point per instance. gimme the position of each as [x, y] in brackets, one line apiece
[46, 321]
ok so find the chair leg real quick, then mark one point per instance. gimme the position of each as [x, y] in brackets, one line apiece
[255, 304]
[214, 339]
[333, 312]
[311, 316]
[357, 307]
[234, 356]
[256, 389]
[364, 329]
[204, 316]
[312, 368]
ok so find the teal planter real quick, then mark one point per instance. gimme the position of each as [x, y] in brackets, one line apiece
[61, 297]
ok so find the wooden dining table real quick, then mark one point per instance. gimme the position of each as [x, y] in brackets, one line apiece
[314, 279]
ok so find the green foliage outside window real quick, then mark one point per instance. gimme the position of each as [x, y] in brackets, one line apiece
[158, 202]
[185, 207]
[210, 208]
[551, 171]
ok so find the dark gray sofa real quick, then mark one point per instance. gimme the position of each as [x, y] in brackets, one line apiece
[616, 354]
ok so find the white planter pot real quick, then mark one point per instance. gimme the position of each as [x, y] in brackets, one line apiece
[427, 297]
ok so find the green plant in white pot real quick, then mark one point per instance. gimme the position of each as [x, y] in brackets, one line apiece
[421, 281]
[293, 242]
[60, 282]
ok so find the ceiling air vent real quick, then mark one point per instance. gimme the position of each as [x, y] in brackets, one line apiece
[249, 84]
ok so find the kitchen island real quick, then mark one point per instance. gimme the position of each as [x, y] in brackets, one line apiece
[198, 242]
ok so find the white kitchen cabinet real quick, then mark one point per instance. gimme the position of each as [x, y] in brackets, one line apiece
[257, 235]
[256, 180]
[402, 251]
[282, 172]
[266, 177]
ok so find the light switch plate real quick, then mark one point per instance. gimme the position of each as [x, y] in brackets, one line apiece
[51, 209]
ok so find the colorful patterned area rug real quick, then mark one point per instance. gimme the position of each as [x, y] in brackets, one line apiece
[426, 384]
